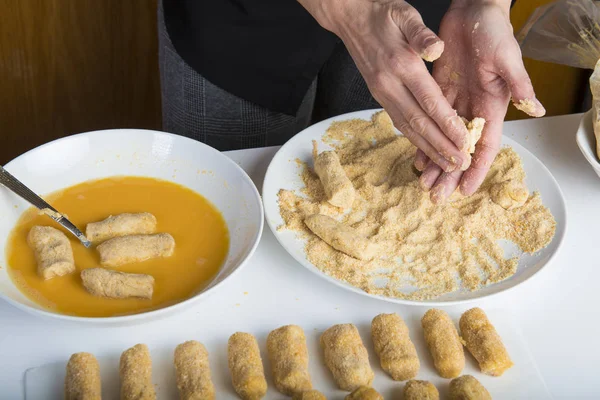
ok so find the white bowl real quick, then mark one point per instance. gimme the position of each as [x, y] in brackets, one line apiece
[283, 174]
[92, 155]
[586, 140]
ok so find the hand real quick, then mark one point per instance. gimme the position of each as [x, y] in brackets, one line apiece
[479, 70]
[387, 39]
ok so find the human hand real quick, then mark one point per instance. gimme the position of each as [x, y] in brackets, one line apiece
[388, 40]
[479, 70]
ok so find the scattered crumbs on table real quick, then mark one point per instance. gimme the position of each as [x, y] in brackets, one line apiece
[237, 304]
[16, 206]
[245, 293]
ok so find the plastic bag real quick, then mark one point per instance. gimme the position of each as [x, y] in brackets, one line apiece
[564, 32]
[567, 32]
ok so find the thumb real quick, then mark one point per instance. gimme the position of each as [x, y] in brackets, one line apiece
[421, 39]
[515, 75]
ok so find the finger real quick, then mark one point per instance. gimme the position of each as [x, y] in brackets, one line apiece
[424, 125]
[421, 39]
[421, 160]
[418, 141]
[433, 101]
[429, 176]
[445, 185]
[485, 153]
[399, 103]
[515, 75]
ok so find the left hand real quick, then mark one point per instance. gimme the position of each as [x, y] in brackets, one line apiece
[479, 70]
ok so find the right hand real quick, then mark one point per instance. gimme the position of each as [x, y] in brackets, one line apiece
[387, 40]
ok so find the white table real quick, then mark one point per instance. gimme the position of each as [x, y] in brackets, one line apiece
[557, 310]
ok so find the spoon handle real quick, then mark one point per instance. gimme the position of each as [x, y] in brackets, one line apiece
[17, 187]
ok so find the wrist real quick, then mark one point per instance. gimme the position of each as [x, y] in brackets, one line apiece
[322, 12]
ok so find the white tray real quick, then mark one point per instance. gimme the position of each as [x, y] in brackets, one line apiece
[523, 381]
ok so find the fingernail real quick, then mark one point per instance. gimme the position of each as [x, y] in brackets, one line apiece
[450, 168]
[419, 164]
[438, 194]
[433, 51]
[466, 163]
[464, 190]
[531, 107]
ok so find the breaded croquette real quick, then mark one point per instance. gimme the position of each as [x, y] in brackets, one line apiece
[82, 381]
[346, 357]
[420, 390]
[484, 343]
[364, 393]
[117, 285]
[245, 365]
[121, 225]
[288, 355]
[193, 372]
[341, 237]
[52, 250]
[397, 353]
[135, 248]
[135, 370]
[468, 388]
[444, 343]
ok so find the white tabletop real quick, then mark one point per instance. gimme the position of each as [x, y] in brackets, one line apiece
[557, 310]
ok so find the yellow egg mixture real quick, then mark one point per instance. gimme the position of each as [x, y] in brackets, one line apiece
[201, 245]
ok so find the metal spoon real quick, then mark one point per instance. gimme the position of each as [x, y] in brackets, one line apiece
[16, 186]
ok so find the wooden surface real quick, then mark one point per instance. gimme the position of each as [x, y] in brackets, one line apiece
[69, 66]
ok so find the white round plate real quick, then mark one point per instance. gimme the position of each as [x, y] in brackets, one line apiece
[586, 140]
[135, 152]
[283, 173]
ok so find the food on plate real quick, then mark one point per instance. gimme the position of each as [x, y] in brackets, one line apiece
[135, 248]
[338, 188]
[135, 371]
[245, 365]
[53, 251]
[178, 210]
[193, 372]
[346, 357]
[121, 225]
[341, 237]
[444, 343]
[288, 356]
[484, 343]
[117, 285]
[364, 393]
[82, 380]
[423, 250]
[420, 390]
[509, 194]
[309, 395]
[467, 388]
[397, 353]
[474, 130]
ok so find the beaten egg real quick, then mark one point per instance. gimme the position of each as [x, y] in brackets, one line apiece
[200, 233]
